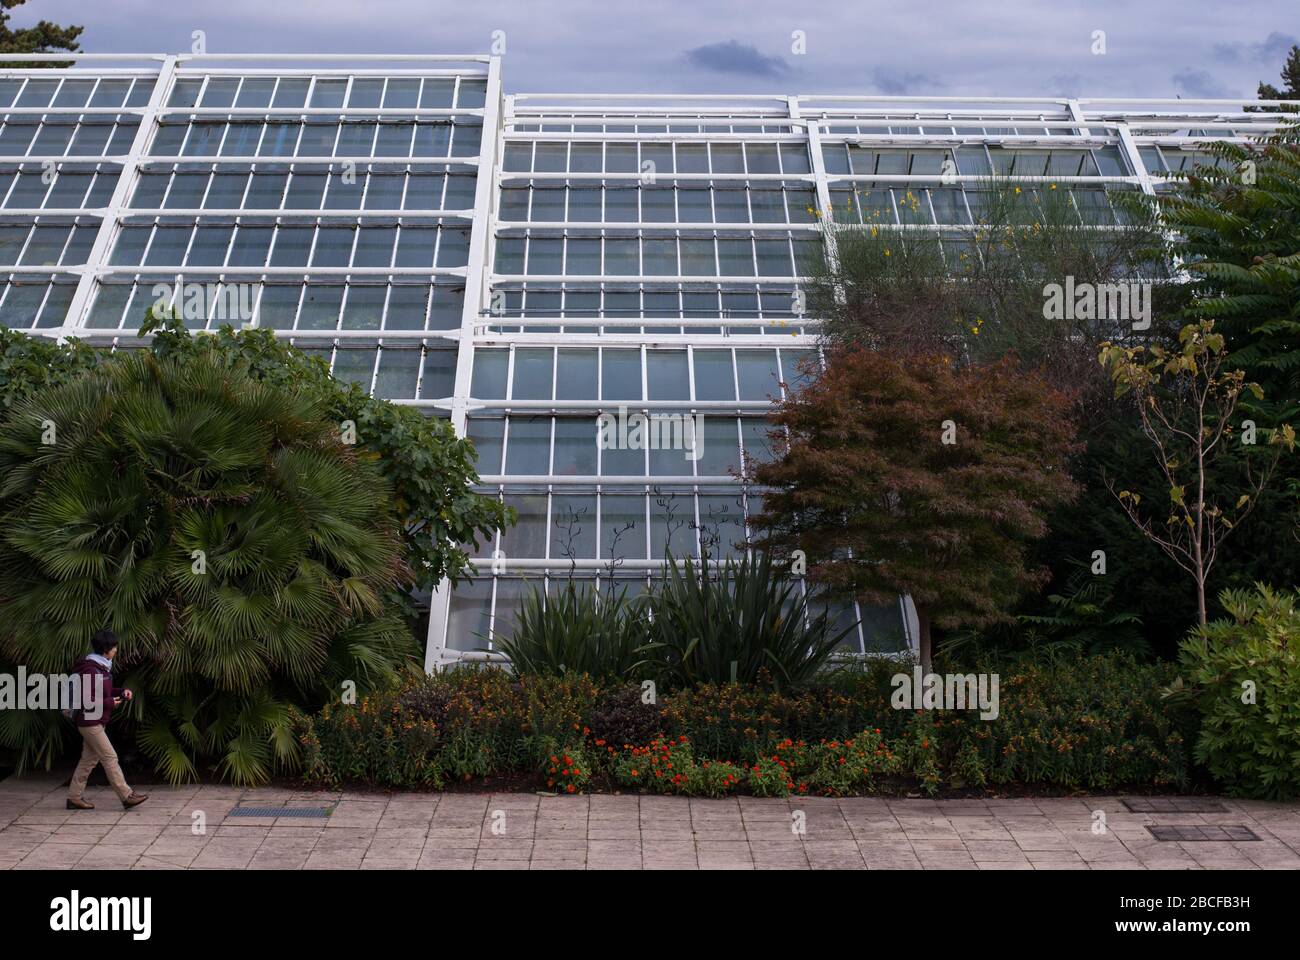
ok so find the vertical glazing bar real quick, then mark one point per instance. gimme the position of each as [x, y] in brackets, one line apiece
[118, 203]
[477, 294]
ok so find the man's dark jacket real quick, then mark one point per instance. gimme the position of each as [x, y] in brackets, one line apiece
[94, 691]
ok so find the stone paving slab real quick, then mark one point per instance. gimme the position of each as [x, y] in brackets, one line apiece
[371, 830]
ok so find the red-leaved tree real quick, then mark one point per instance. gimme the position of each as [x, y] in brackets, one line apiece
[916, 475]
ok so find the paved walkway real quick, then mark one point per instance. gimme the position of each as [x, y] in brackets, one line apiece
[525, 831]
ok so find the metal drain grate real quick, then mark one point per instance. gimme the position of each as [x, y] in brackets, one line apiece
[1173, 805]
[279, 812]
[1200, 833]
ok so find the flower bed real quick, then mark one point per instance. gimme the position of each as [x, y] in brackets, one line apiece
[1092, 724]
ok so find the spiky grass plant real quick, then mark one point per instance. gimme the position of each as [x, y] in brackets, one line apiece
[743, 620]
[575, 629]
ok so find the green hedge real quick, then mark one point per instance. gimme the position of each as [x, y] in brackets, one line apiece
[1094, 723]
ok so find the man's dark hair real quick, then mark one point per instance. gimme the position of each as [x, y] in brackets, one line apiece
[103, 641]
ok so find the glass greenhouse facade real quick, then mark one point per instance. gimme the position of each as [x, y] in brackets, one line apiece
[542, 270]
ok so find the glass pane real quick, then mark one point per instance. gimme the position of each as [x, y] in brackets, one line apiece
[320, 307]
[364, 308]
[573, 526]
[719, 448]
[488, 435]
[439, 378]
[490, 369]
[621, 375]
[528, 446]
[714, 377]
[532, 380]
[622, 527]
[576, 374]
[527, 538]
[575, 447]
[758, 375]
[668, 375]
[355, 364]
[399, 369]
[278, 306]
[469, 614]
[292, 245]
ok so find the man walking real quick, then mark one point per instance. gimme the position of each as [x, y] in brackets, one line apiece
[95, 672]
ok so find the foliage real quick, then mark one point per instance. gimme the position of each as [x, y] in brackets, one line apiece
[569, 769]
[463, 723]
[915, 291]
[741, 620]
[44, 37]
[1234, 224]
[1089, 723]
[743, 721]
[1290, 78]
[30, 364]
[370, 743]
[575, 629]
[1235, 238]
[1081, 619]
[744, 620]
[1185, 399]
[1245, 674]
[881, 504]
[1095, 723]
[624, 715]
[430, 469]
[241, 552]
[830, 768]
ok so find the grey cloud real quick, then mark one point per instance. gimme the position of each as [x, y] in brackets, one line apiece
[1199, 83]
[956, 48]
[897, 83]
[738, 58]
[1066, 84]
[1272, 49]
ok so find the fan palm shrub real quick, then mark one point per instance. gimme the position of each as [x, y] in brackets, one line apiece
[220, 525]
[577, 630]
[744, 620]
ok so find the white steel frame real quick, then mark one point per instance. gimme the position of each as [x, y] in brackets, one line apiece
[816, 123]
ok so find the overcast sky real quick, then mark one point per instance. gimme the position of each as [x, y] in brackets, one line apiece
[1153, 48]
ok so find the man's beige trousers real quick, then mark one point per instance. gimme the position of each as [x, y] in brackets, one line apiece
[96, 749]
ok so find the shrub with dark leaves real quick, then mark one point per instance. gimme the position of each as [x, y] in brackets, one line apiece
[622, 717]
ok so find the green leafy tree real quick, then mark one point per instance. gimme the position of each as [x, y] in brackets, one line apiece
[1290, 89]
[982, 295]
[916, 475]
[44, 37]
[1080, 620]
[1186, 399]
[220, 526]
[912, 290]
[1235, 227]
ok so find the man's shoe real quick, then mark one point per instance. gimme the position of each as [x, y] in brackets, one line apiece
[80, 804]
[134, 800]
